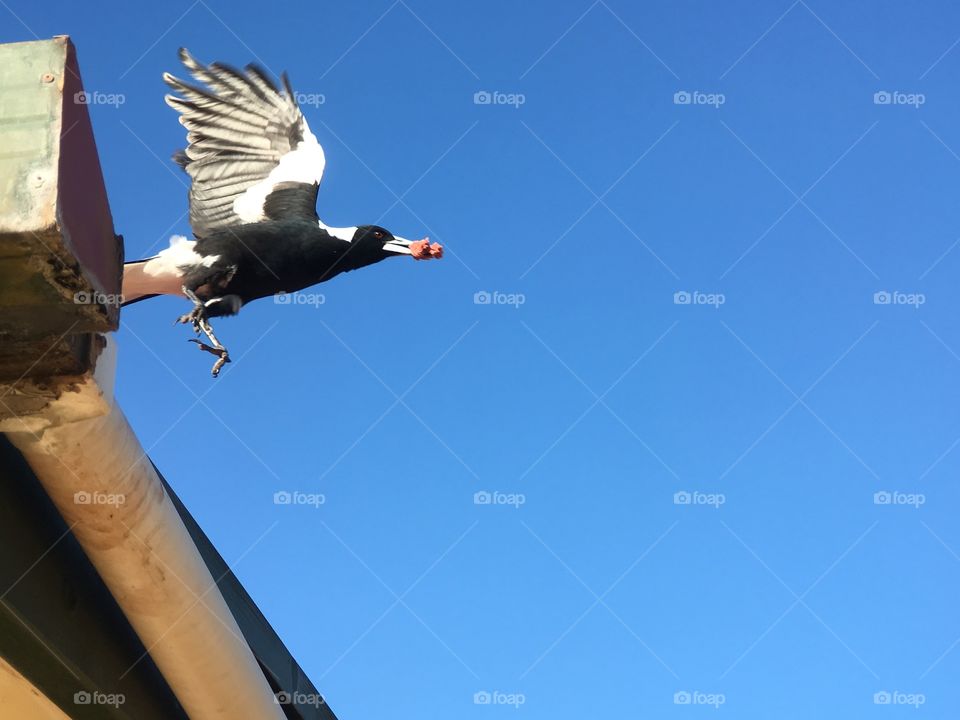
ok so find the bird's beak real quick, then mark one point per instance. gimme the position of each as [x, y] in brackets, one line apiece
[399, 246]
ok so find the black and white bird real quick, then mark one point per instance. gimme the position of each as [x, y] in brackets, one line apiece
[255, 169]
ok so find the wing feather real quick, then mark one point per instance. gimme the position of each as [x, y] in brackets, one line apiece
[245, 137]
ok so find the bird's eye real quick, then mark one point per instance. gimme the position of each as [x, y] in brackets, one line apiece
[378, 234]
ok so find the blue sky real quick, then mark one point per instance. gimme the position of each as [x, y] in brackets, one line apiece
[749, 297]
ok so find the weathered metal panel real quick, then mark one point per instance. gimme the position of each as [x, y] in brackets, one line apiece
[30, 119]
[60, 261]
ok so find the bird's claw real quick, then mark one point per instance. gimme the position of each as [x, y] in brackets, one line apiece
[194, 317]
[223, 356]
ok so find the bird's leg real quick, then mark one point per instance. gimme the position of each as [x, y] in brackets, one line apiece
[193, 317]
[198, 317]
[217, 349]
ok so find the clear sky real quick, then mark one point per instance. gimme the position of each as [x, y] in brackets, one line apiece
[632, 156]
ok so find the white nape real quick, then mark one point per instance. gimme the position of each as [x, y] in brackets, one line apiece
[342, 233]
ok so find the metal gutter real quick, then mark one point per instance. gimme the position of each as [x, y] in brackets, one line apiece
[102, 483]
[60, 627]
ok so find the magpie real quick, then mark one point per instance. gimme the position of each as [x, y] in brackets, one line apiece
[255, 169]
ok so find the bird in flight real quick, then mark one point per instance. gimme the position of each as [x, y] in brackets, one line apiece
[255, 169]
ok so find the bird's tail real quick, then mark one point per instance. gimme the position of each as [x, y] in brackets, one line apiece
[161, 274]
[139, 285]
[136, 283]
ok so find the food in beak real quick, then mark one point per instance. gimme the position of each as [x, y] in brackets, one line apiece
[423, 250]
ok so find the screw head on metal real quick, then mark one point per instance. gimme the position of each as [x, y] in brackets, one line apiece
[47, 77]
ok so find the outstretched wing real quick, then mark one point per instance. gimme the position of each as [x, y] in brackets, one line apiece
[247, 140]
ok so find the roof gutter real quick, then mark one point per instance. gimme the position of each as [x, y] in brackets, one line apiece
[102, 482]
